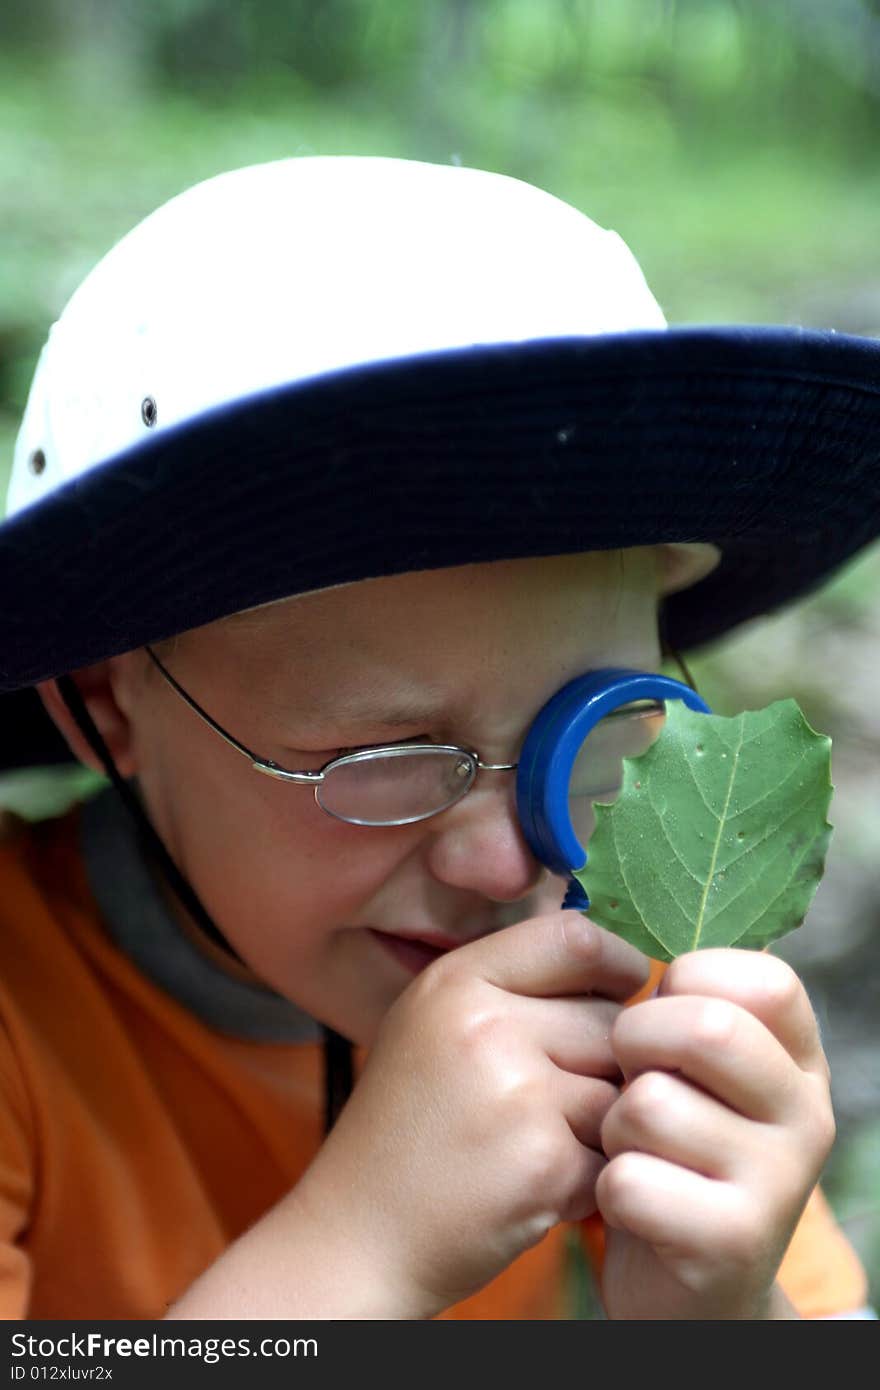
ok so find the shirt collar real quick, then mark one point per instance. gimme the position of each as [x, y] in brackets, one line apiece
[140, 924]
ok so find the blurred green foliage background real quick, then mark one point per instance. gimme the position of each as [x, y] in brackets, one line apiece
[733, 143]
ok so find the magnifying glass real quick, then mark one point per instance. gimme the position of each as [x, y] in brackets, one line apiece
[572, 755]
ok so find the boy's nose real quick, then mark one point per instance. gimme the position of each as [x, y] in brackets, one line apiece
[478, 844]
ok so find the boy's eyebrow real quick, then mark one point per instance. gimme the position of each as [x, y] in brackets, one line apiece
[358, 710]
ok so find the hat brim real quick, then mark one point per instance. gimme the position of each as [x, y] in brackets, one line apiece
[762, 441]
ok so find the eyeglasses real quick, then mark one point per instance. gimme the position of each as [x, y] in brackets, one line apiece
[402, 783]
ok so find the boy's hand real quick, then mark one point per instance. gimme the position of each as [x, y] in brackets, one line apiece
[715, 1143]
[474, 1127]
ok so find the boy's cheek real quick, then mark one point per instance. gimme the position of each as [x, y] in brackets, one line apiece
[365, 875]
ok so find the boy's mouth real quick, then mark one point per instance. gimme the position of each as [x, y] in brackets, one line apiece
[414, 952]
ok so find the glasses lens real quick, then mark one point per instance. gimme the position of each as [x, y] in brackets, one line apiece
[597, 774]
[397, 786]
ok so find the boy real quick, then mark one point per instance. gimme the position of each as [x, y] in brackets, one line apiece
[363, 454]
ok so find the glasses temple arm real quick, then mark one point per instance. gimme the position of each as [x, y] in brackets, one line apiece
[203, 714]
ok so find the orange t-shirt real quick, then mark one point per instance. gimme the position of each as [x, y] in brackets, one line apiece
[136, 1141]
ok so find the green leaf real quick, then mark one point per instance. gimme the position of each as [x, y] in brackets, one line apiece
[718, 836]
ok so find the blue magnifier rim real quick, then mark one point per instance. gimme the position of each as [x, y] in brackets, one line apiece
[554, 741]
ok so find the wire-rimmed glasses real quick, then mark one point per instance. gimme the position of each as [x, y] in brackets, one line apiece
[403, 783]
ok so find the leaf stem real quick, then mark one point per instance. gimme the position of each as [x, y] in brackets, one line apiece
[721, 823]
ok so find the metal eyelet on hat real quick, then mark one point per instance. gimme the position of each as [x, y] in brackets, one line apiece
[149, 411]
[37, 462]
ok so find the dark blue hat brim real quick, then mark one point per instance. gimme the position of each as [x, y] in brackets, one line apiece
[764, 441]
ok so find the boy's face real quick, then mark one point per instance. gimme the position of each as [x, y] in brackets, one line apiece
[465, 656]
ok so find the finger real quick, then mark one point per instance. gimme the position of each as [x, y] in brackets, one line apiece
[585, 1105]
[666, 1116]
[582, 1170]
[764, 985]
[717, 1045]
[668, 1206]
[574, 1033]
[562, 953]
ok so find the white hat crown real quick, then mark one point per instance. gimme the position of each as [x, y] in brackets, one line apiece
[280, 272]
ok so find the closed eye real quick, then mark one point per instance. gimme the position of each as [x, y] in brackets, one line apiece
[389, 743]
[330, 753]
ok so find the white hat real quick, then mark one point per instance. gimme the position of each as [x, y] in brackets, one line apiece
[321, 370]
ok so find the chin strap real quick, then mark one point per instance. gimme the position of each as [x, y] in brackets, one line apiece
[668, 652]
[338, 1064]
